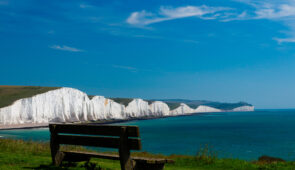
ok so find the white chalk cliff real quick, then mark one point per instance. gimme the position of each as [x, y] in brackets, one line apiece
[72, 105]
[202, 109]
[182, 109]
[158, 108]
[243, 109]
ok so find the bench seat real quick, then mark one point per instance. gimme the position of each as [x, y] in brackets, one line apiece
[123, 138]
[116, 157]
[139, 163]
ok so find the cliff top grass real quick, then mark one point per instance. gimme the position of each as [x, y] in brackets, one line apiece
[123, 101]
[9, 94]
[19, 154]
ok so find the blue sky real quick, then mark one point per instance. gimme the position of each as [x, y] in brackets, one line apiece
[231, 50]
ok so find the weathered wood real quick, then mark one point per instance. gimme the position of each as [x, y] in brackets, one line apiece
[98, 141]
[139, 163]
[101, 136]
[103, 130]
[54, 146]
[59, 157]
[124, 151]
[91, 154]
[116, 157]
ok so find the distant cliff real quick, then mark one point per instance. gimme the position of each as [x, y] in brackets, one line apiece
[72, 105]
[173, 103]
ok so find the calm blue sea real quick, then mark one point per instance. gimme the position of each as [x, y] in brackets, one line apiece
[244, 135]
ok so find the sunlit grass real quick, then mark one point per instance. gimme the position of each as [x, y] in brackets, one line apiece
[9, 94]
[19, 154]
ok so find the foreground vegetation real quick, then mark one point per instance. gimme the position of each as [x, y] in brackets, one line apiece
[19, 154]
[9, 94]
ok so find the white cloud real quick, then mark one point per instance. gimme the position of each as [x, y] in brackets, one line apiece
[234, 16]
[140, 18]
[65, 48]
[282, 11]
[143, 17]
[271, 11]
[282, 40]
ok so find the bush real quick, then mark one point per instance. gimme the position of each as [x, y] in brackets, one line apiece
[206, 154]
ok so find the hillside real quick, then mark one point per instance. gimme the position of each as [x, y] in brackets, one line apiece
[196, 103]
[9, 94]
[174, 103]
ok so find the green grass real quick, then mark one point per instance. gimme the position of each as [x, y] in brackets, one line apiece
[173, 106]
[9, 94]
[19, 154]
[123, 101]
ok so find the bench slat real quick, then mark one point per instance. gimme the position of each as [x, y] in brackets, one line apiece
[92, 154]
[98, 141]
[105, 130]
[116, 157]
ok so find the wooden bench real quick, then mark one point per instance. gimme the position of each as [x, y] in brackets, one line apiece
[124, 138]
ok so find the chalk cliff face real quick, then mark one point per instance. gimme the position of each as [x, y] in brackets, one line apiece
[137, 108]
[159, 108]
[202, 109]
[62, 105]
[72, 105]
[182, 109]
[244, 109]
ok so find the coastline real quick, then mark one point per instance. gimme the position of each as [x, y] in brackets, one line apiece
[23, 126]
[102, 122]
[109, 121]
[223, 127]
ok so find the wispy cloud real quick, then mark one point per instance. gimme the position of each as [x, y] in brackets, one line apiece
[282, 40]
[275, 11]
[142, 18]
[133, 69]
[282, 11]
[65, 48]
[235, 16]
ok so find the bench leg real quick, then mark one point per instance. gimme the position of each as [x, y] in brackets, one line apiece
[124, 152]
[59, 156]
[56, 155]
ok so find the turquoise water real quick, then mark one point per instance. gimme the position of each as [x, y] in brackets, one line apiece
[244, 135]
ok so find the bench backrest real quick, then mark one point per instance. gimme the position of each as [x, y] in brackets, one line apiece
[109, 136]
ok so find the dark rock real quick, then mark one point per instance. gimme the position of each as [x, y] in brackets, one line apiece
[269, 159]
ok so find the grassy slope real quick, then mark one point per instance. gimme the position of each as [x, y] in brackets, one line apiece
[9, 94]
[123, 101]
[17, 154]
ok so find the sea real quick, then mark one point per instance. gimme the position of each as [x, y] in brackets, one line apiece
[242, 135]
